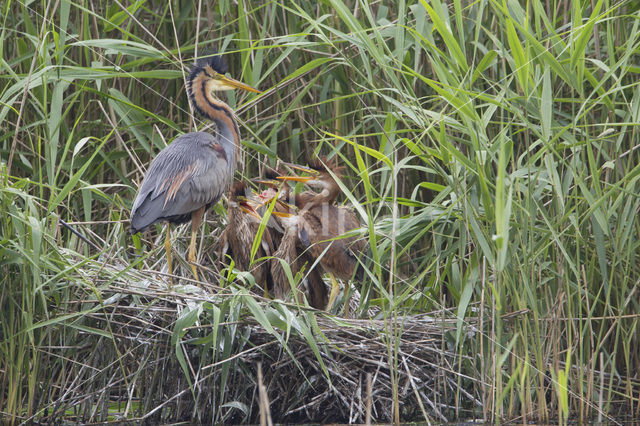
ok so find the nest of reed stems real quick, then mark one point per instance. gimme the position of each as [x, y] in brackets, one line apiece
[142, 352]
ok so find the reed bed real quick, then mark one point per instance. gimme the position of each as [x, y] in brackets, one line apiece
[490, 152]
[123, 362]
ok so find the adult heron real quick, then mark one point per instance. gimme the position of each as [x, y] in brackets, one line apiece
[192, 173]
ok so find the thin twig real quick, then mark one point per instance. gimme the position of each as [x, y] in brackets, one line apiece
[79, 235]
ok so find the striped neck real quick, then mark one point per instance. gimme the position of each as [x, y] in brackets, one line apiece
[216, 111]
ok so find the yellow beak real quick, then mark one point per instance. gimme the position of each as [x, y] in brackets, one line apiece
[230, 83]
[303, 179]
[243, 203]
[301, 168]
[281, 214]
[249, 210]
[286, 205]
[263, 181]
[280, 203]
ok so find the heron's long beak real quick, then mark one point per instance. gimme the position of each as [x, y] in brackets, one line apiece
[281, 214]
[266, 181]
[287, 205]
[244, 205]
[303, 179]
[230, 83]
[301, 168]
[295, 178]
[249, 210]
[279, 202]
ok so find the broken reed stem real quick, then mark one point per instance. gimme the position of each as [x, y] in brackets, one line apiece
[265, 411]
[369, 396]
[601, 396]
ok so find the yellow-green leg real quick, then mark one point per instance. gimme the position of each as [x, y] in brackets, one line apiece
[346, 301]
[196, 220]
[191, 257]
[335, 289]
[167, 248]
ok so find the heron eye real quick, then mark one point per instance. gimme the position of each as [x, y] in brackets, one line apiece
[209, 72]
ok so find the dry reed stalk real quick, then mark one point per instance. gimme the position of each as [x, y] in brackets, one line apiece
[137, 365]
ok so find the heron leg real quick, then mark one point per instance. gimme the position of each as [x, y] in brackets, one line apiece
[167, 247]
[346, 301]
[266, 289]
[196, 220]
[335, 289]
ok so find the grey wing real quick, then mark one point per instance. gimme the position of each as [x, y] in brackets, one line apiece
[190, 173]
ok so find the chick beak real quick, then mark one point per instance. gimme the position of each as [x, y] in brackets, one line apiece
[301, 168]
[265, 181]
[244, 205]
[303, 179]
[281, 214]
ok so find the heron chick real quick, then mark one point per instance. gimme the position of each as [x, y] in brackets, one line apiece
[243, 227]
[322, 224]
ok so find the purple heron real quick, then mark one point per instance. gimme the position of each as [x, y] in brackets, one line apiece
[192, 172]
[291, 252]
[321, 224]
[242, 229]
[290, 249]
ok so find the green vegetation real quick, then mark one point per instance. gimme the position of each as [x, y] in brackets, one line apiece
[490, 149]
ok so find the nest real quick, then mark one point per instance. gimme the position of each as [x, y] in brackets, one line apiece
[148, 354]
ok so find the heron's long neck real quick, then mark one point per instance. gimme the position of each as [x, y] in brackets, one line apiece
[330, 191]
[218, 112]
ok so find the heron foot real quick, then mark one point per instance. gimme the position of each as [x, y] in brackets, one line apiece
[335, 289]
[346, 297]
[266, 291]
[194, 269]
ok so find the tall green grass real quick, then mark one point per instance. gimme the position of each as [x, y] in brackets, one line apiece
[490, 150]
